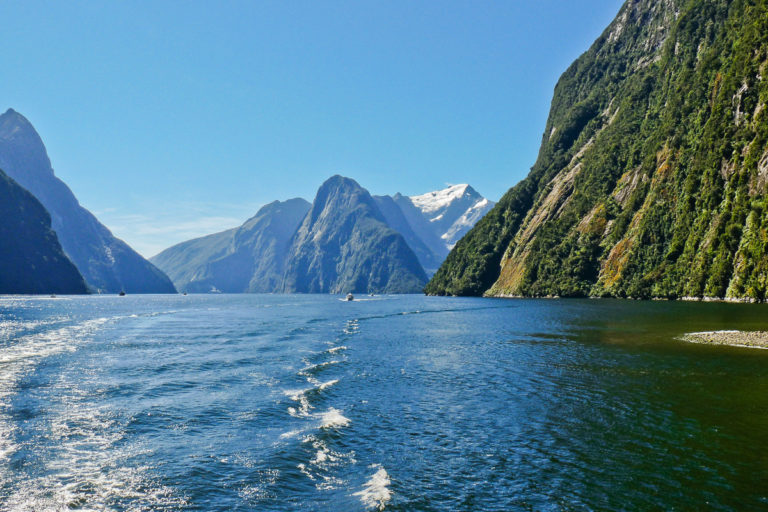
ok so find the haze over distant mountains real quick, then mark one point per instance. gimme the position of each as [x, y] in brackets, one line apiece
[107, 263]
[345, 241]
[250, 258]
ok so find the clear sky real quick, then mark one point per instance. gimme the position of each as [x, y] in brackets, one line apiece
[175, 119]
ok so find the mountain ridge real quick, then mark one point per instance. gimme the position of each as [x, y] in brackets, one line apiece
[221, 262]
[107, 263]
[249, 258]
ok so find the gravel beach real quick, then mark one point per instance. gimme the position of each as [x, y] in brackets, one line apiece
[750, 339]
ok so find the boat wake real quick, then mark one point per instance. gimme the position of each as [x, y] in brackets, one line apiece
[376, 493]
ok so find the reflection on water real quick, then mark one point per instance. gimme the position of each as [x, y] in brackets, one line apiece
[403, 403]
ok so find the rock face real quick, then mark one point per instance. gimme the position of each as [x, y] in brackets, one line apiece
[651, 177]
[345, 245]
[107, 263]
[250, 258]
[31, 258]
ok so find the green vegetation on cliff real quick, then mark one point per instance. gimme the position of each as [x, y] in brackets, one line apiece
[652, 176]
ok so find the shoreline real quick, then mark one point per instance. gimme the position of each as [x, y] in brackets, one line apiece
[730, 300]
[746, 339]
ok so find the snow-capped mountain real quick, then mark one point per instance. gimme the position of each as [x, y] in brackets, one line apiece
[452, 211]
[438, 219]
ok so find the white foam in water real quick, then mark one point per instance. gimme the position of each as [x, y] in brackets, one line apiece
[376, 493]
[332, 418]
[336, 349]
[21, 357]
[322, 467]
[305, 372]
[326, 385]
[75, 473]
[290, 434]
[300, 395]
[304, 405]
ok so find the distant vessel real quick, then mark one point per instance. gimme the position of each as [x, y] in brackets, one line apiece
[350, 297]
[122, 293]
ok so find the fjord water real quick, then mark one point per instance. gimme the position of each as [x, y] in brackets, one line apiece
[306, 402]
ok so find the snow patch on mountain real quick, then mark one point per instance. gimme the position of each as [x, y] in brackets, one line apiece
[452, 211]
[439, 199]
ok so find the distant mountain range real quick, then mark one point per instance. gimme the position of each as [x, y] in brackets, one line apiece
[345, 241]
[108, 264]
[345, 245]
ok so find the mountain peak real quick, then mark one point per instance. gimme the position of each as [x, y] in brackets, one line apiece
[15, 126]
[339, 181]
[439, 199]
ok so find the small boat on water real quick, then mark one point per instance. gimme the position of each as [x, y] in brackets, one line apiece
[122, 293]
[350, 297]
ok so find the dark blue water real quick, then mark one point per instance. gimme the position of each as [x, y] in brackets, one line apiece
[397, 403]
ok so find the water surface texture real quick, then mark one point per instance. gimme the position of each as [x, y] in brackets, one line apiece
[269, 402]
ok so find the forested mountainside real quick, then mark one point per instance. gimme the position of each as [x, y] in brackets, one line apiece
[107, 263]
[652, 175]
[31, 258]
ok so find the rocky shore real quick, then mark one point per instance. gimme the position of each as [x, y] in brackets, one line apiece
[750, 339]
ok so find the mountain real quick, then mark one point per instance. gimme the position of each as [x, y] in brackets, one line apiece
[107, 263]
[345, 245]
[442, 217]
[347, 240]
[652, 174]
[396, 219]
[31, 258]
[250, 258]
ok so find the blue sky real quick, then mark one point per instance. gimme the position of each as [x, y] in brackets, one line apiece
[175, 119]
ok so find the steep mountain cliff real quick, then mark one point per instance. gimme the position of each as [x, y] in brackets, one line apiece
[250, 258]
[107, 263]
[344, 245]
[652, 175]
[31, 259]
